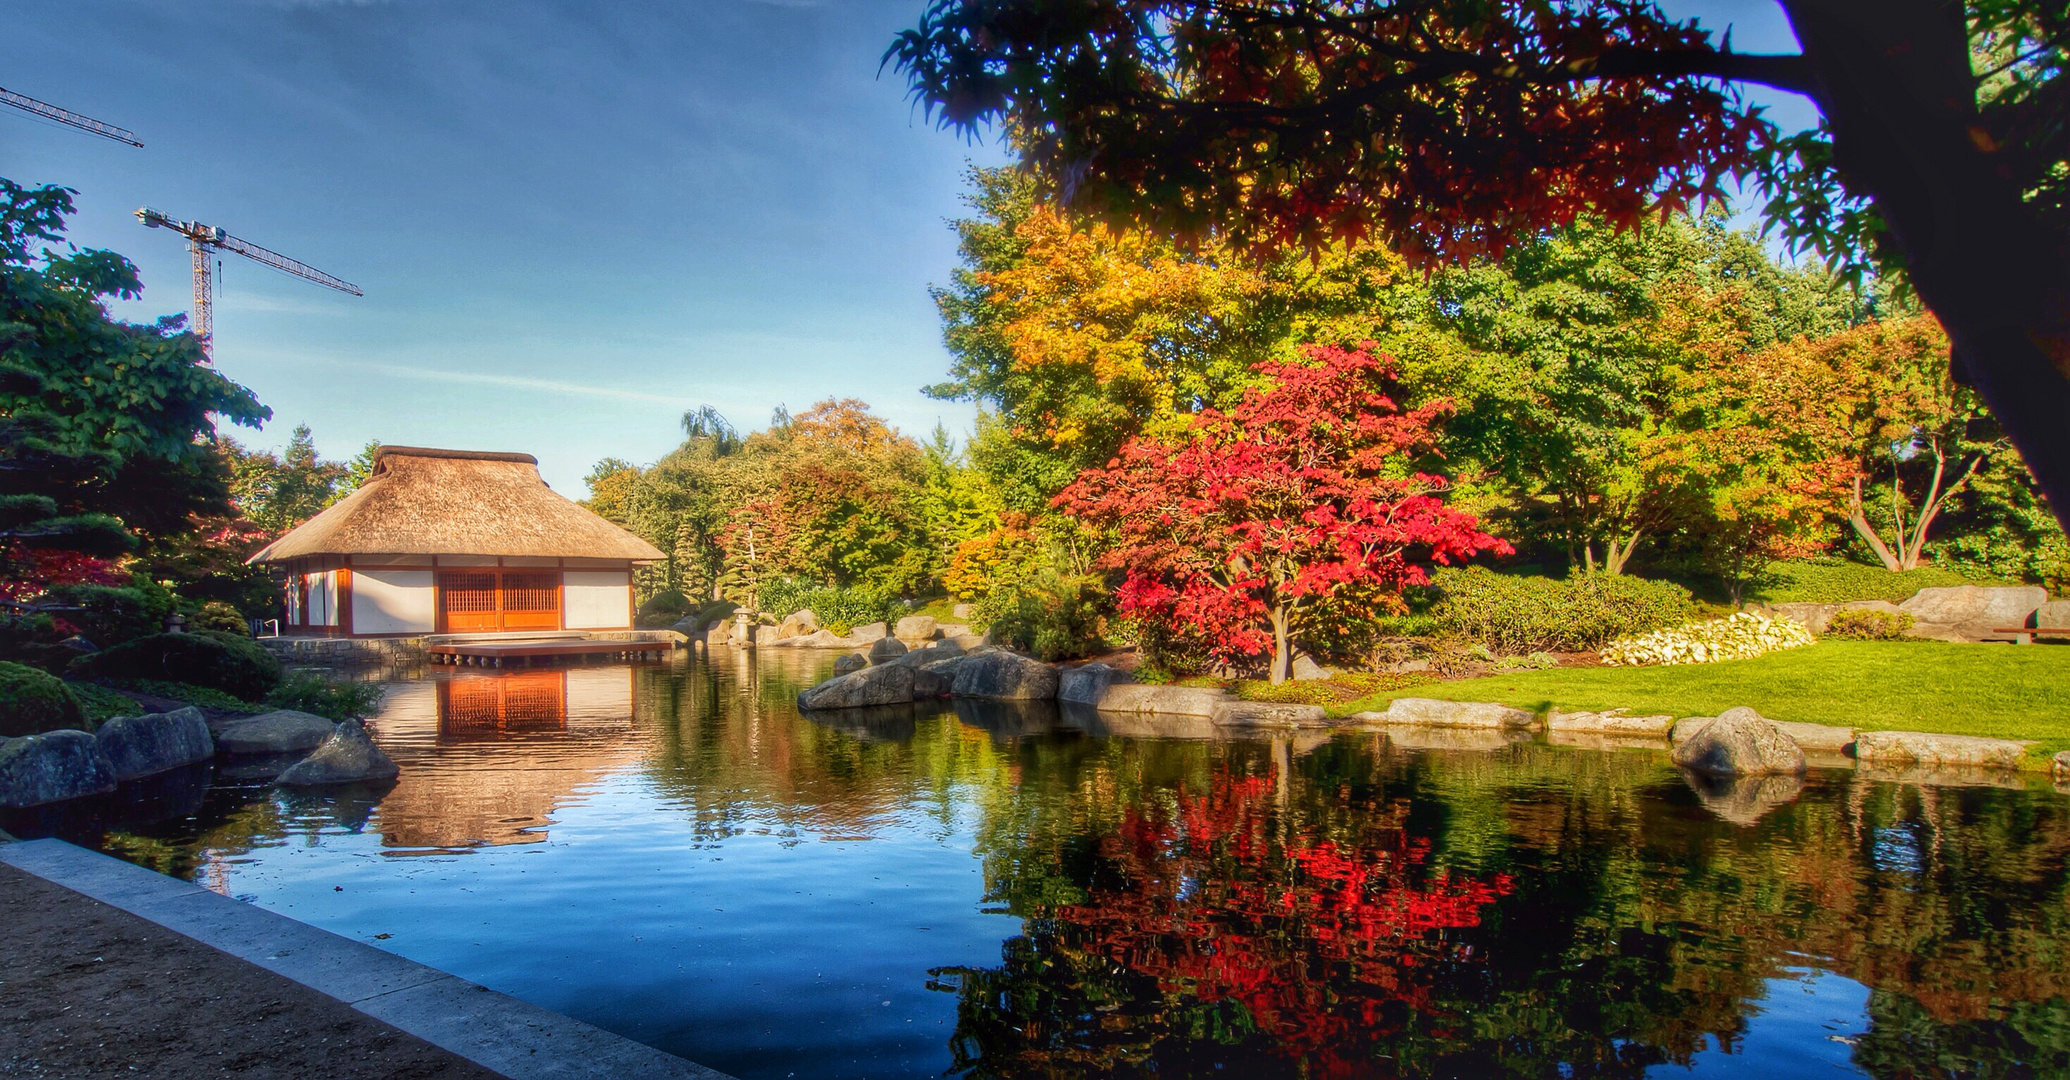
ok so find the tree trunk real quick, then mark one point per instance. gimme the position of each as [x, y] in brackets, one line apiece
[1282, 655]
[1858, 516]
[1616, 556]
[1894, 81]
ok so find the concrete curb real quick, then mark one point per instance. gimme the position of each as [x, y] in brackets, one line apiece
[495, 1031]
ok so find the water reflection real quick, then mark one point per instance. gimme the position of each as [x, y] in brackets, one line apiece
[1018, 890]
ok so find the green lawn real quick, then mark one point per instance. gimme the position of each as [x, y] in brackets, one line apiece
[2006, 691]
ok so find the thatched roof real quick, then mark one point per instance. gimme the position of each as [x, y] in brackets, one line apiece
[457, 502]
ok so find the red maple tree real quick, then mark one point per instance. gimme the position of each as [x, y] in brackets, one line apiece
[1235, 531]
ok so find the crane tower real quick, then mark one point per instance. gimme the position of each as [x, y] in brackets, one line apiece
[204, 241]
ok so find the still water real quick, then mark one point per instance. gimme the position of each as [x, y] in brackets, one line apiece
[674, 853]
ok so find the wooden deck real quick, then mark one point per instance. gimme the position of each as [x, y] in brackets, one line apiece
[502, 653]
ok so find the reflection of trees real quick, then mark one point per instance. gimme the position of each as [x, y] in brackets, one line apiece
[1532, 913]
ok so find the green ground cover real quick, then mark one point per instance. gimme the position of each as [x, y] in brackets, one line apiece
[103, 704]
[2003, 691]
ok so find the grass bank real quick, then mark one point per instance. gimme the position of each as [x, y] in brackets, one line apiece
[2003, 691]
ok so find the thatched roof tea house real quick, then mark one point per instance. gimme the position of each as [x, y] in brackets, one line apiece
[456, 541]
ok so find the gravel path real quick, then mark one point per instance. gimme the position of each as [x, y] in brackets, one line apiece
[89, 991]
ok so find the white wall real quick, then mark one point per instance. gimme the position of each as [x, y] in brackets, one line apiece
[596, 599]
[393, 602]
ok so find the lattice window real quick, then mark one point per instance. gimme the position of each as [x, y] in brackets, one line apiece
[532, 592]
[469, 592]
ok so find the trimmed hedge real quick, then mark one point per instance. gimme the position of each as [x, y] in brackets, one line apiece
[33, 701]
[1516, 614]
[234, 665]
[1840, 582]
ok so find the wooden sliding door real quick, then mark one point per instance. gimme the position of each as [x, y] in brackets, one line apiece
[488, 600]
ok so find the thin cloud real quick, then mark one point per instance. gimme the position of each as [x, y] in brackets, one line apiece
[524, 382]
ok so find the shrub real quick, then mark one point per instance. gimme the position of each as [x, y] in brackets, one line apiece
[838, 610]
[337, 699]
[1055, 620]
[1516, 614]
[222, 618]
[188, 693]
[109, 615]
[236, 666]
[32, 700]
[1837, 582]
[1867, 624]
[664, 608]
[1740, 637]
[713, 614]
[1538, 661]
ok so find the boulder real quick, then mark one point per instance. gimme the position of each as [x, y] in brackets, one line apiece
[951, 630]
[1740, 742]
[1307, 670]
[349, 756]
[1813, 738]
[1173, 700]
[1744, 800]
[1901, 747]
[884, 650]
[1086, 683]
[1973, 612]
[1817, 617]
[52, 767]
[721, 634]
[968, 641]
[940, 650]
[1409, 667]
[933, 681]
[889, 684]
[283, 731]
[1233, 713]
[818, 639]
[155, 742]
[1609, 722]
[1479, 740]
[850, 662]
[868, 632]
[2059, 766]
[1005, 676]
[797, 624]
[1475, 714]
[915, 628]
[2054, 614]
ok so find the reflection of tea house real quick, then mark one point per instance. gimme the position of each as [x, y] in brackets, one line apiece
[456, 542]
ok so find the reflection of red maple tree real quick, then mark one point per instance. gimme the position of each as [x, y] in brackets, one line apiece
[1323, 943]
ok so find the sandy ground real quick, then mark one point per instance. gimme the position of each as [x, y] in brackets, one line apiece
[90, 991]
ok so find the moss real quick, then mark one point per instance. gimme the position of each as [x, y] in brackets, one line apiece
[189, 694]
[32, 700]
[103, 704]
[236, 666]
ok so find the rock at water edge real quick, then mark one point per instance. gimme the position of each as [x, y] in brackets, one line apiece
[1434, 713]
[1005, 676]
[2060, 765]
[1928, 749]
[868, 632]
[850, 662]
[887, 649]
[348, 756]
[283, 731]
[1172, 700]
[1233, 713]
[888, 684]
[940, 650]
[1739, 743]
[1086, 683]
[52, 767]
[1610, 722]
[155, 742]
[915, 628]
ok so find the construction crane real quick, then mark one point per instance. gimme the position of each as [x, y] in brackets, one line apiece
[48, 111]
[204, 241]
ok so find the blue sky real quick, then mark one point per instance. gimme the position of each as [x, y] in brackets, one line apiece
[572, 220]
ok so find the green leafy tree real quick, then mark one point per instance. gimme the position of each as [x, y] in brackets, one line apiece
[1446, 130]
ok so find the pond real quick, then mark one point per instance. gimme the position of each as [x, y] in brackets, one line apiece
[672, 852]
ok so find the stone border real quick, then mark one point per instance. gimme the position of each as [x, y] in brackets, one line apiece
[495, 1031]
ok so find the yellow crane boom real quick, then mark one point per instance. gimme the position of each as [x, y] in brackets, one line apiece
[203, 241]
